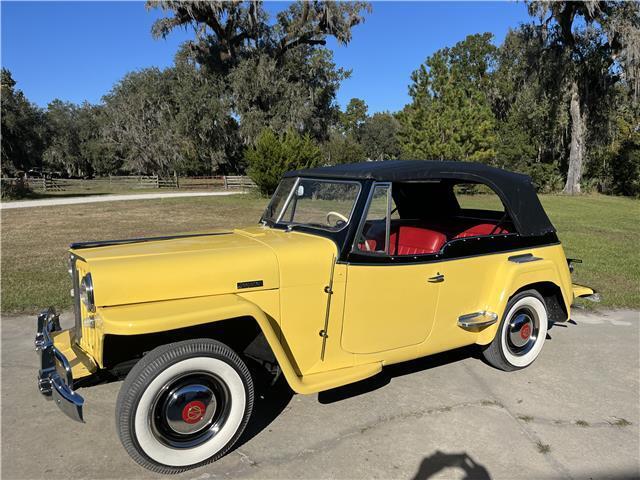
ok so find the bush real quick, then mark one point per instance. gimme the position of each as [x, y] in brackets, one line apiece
[14, 189]
[272, 156]
[625, 169]
[546, 177]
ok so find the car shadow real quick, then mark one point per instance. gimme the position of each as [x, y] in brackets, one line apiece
[441, 461]
[398, 370]
[270, 400]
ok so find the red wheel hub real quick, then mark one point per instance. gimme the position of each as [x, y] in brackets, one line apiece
[193, 412]
[525, 331]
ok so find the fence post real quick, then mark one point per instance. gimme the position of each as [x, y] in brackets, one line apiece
[224, 177]
[157, 179]
[44, 183]
[175, 176]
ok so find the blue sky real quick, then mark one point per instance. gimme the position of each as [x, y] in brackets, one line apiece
[76, 51]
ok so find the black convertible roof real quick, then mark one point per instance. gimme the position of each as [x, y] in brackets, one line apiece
[514, 189]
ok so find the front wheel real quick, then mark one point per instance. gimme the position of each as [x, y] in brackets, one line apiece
[521, 334]
[184, 405]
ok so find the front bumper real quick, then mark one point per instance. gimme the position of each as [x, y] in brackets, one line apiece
[55, 378]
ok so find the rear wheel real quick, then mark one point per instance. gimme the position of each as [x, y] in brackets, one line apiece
[184, 405]
[521, 334]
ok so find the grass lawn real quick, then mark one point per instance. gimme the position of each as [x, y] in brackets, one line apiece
[602, 231]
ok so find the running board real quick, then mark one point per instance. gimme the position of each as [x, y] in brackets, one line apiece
[477, 319]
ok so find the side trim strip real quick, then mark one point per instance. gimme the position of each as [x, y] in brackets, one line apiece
[106, 243]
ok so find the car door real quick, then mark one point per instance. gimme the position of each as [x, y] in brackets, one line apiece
[387, 306]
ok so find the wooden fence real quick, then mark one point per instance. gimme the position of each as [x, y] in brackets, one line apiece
[238, 182]
[138, 182]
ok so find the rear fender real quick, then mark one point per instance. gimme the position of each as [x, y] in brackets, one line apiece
[517, 276]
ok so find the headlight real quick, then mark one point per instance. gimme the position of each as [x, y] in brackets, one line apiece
[86, 293]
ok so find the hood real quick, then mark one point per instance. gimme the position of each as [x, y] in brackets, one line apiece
[146, 270]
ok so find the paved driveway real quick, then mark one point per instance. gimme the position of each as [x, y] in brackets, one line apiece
[573, 414]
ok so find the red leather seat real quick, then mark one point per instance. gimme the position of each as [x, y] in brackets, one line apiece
[481, 229]
[368, 245]
[409, 240]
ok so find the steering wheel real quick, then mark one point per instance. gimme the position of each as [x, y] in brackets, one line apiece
[336, 214]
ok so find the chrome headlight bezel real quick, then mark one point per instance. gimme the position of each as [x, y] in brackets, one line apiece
[86, 293]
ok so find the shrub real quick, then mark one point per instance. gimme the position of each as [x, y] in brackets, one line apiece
[625, 169]
[272, 156]
[15, 188]
[546, 177]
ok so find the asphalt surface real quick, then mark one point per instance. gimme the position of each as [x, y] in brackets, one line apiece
[50, 202]
[573, 414]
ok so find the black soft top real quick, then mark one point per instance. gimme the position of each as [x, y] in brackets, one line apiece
[514, 189]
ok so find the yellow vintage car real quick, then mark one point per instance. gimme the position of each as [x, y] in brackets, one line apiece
[351, 268]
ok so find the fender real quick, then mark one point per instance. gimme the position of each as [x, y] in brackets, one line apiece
[516, 276]
[174, 314]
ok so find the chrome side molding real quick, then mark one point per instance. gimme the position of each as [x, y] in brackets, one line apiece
[523, 258]
[477, 319]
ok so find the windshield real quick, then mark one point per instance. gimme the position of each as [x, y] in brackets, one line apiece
[326, 204]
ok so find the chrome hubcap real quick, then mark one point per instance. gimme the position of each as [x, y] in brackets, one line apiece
[522, 331]
[190, 409]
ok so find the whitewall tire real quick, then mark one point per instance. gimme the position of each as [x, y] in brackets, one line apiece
[184, 405]
[521, 333]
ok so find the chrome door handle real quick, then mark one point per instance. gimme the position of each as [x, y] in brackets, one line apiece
[437, 279]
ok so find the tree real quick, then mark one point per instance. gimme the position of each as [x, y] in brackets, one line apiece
[138, 122]
[531, 130]
[342, 148]
[273, 155]
[354, 116]
[172, 120]
[70, 129]
[21, 130]
[229, 31]
[612, 28]
[93, 148]
[298, 93]
[277, 74]
[204, 119]
[450, 116]
[378, 136]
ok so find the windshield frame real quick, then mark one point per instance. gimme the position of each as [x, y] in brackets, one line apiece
[278, 222]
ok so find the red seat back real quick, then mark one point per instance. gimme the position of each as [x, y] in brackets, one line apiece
[481, 229]
[368, 245]
[409, 240]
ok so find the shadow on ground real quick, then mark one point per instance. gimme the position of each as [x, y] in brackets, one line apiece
[269, 402]
[398, 370]
[440, 461]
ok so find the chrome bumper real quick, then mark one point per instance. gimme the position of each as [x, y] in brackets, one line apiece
[55, 378]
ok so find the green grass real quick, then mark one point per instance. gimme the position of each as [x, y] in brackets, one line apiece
[602, 231]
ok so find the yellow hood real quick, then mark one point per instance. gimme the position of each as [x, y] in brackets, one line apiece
[187, 266]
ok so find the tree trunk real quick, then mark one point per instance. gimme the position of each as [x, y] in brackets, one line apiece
[576, 154]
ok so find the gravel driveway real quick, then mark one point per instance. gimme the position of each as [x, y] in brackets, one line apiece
[49, 202]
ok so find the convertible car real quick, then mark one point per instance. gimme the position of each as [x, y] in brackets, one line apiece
[350, 268]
